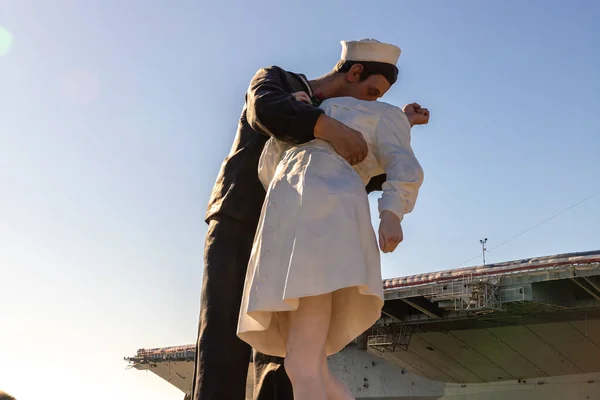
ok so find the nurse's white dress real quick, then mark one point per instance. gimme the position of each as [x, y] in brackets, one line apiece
[315, 234]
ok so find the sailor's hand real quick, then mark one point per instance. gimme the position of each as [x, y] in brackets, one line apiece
[347, 142]
[302, 96]
[416, 114]
[390, 231]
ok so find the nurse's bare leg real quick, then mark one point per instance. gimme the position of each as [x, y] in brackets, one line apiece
[336, 390]
[306, 336]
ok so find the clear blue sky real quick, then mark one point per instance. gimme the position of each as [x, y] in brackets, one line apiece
[116, 115]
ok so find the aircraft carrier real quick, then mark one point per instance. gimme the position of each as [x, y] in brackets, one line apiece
[524, 329]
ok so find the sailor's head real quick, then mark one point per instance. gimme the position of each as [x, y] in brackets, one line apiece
[5, 396]
[367, 68]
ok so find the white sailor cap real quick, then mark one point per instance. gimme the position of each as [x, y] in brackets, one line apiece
[370, 50]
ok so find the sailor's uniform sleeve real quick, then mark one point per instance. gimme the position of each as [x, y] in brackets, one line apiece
[396, 157]
[273, 111]
[375, 183]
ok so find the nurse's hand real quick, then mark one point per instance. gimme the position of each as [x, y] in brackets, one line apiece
[416, 114]
[390, 231]
[347, 142]
[302, 96]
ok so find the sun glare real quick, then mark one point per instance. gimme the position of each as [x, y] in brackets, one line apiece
[6, 41]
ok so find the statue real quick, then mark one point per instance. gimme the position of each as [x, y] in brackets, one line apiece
[273, 108]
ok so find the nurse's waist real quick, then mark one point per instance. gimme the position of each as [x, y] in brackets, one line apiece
[365, 170]
[318, 144]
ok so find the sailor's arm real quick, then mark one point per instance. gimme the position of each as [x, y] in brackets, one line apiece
[273, 111]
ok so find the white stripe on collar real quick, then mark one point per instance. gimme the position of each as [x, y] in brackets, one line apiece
[310, 93]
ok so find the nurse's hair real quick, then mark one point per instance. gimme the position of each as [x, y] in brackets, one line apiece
[389, 71]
